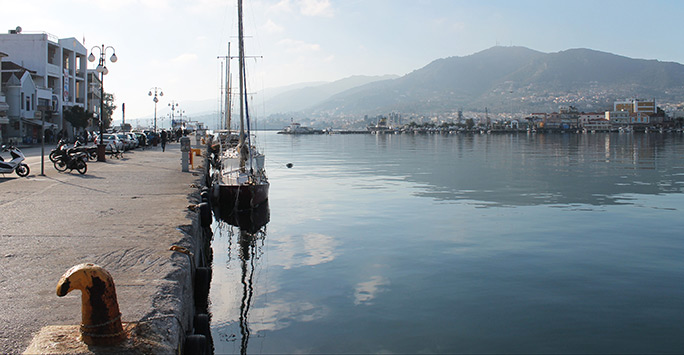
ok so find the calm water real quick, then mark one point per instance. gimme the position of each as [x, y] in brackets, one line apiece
[459, 244]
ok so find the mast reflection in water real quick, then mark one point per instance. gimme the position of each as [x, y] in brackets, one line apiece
[248, 227]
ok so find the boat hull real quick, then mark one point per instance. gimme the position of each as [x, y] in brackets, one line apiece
[240, 197]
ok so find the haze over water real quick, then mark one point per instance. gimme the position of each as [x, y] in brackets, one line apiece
[550, 243]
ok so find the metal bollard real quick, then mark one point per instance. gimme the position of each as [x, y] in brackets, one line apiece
[100, 316]
[185, 153]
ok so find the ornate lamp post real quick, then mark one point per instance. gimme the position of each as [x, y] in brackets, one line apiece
[180, 116]
[155, 99]
[102, 69]
[174, 106]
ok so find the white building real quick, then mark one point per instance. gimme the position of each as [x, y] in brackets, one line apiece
[57, 66]
[4, 107]
[618, 118]
[594, 121]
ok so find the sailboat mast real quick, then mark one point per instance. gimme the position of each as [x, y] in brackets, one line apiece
[241, 61]
[227, 92]
[242, 147]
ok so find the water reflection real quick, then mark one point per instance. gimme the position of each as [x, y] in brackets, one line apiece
[250, 220]
[250, 252]
[250, 233]
[242, 268]
[525, 170]
[365, 292]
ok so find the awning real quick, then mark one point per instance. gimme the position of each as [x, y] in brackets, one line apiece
[38, 122]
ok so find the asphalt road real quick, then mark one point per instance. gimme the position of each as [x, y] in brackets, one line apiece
[123, 215]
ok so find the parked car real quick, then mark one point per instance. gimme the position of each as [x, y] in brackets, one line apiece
[112, 139]
[128, 143]
[133, 139]
[142, 139]
[152, 138]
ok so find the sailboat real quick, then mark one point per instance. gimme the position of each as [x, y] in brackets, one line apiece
[241, 183]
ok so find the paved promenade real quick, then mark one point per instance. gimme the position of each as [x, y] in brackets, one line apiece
[123, 215]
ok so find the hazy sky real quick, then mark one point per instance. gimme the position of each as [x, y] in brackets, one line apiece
[174, 44]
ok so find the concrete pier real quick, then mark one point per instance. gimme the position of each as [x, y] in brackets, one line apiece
[124, 215]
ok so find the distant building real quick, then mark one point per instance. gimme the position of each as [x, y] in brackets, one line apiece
[537, 120]
[637, 113]
[569, 117]
[636, 106]
[618, 119]
[594, 121]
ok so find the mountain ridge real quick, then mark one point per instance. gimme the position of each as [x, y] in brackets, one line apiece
[502, 80]
[504, 77]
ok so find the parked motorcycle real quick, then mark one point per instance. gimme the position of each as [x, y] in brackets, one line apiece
[62, 145]
[90, 151]
[71, 160]
[57, 152]
[16, 164]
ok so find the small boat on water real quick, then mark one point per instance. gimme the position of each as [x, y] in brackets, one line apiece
[240, 184]
[296, 128]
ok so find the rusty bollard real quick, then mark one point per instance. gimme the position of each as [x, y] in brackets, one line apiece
[100, 316]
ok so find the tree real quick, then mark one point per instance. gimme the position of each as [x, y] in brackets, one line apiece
[77, 116]
[108, 109]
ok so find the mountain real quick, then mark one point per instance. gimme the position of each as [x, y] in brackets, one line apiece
[304, 96]
[517, 79]
[502, 79]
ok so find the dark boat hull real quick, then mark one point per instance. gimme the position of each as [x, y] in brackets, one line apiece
[241, 197]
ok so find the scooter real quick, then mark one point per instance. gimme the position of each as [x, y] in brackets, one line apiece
[90, 151]
[71, 161]
[16, 164]
[62, 145]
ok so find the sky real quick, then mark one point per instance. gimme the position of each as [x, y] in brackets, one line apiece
[174, 45]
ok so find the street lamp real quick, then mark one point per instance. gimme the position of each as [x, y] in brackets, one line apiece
[102, 69]
[180, 114]
[155, 99]
[174, 106]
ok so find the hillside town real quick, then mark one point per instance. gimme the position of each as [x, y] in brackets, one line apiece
[628, 115]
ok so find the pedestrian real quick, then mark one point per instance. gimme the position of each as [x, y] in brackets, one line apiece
[164, 137]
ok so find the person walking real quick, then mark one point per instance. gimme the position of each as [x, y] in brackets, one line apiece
[164, 138]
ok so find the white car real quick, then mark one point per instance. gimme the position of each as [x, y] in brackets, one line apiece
[112, 141]
[131, 136]
[128, 143]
